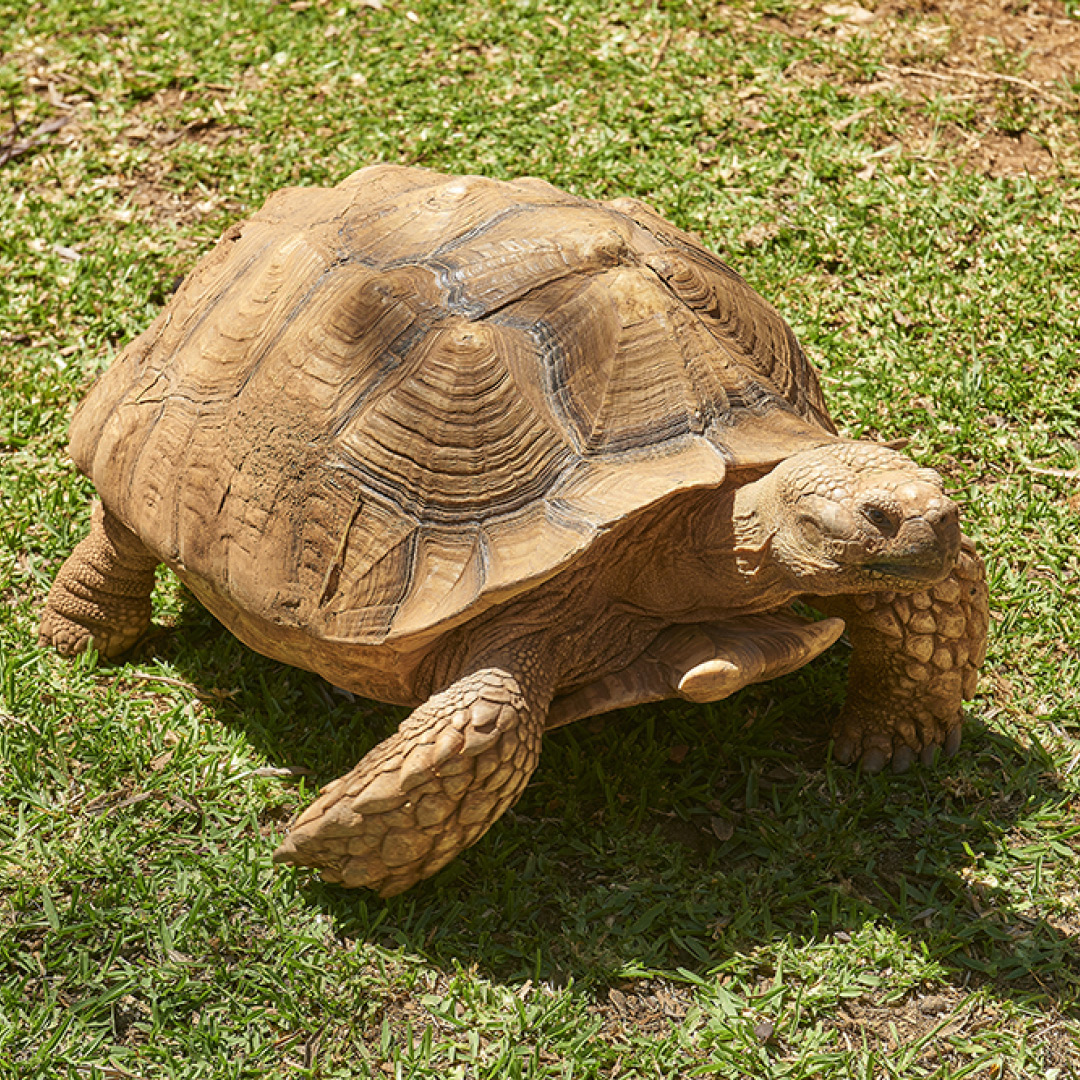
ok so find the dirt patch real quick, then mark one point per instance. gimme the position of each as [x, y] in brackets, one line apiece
[990, 153]
[943, 1020]
[644, 1006]
[1010, 155]
[156, 201]
[888, 1027]
[1038, 40]
[60, 110]
[206, 132]
[991, 85]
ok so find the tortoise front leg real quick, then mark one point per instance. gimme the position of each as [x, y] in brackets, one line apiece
[429, 791]
[915, 658]
[102, 592]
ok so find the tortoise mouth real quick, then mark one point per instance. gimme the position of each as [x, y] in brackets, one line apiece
[928, 571]
[927, 552]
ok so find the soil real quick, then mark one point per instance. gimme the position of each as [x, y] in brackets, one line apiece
[987, 83]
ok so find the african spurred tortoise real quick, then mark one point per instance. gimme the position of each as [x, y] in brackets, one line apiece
[514, 458]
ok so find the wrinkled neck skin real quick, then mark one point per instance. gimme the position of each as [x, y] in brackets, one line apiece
[711, 560]
[762, 548]
[597, 617]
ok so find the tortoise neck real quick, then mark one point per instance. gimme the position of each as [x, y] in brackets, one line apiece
[707, 558]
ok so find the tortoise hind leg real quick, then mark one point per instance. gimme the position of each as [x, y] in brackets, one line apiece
[102, 593]
[703, 662]
[432, 789]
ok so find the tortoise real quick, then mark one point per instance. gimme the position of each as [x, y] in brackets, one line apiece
[514, 458]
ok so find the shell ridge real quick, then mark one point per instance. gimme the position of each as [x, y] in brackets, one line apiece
[749, 340]
[390, 362]
[422, 508]
[332, 577]
[142, 352]
[292, 314]
[479, 311]
[502, 374]
[479, 230]
[546, 346]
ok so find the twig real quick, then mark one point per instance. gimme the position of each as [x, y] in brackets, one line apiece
[1064, 474]
[64, 76]
[955, 74]
[16, 146]
[168, 680]
[11, 135]
[665, 41]
[847, 121]
[14, 132]
[101, 804]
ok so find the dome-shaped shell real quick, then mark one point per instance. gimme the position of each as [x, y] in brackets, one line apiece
[375, 410]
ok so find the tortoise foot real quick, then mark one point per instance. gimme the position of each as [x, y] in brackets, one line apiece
[704, 662]
[899, 745]
[718, 661]
[915, 659]
[425, 794]
[102, 594]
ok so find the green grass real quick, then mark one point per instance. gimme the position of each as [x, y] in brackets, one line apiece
[683, 890]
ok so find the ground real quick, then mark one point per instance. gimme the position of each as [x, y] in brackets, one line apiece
[680, 888]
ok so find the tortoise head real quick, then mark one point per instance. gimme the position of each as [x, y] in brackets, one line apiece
[849, 517]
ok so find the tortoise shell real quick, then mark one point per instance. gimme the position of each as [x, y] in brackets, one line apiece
[376, 410]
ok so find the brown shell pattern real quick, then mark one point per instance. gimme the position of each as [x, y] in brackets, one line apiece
[377, 409]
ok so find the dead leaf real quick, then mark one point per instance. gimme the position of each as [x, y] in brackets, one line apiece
[722, 829]
[161, 761]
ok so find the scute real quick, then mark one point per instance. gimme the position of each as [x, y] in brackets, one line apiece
[375, 410]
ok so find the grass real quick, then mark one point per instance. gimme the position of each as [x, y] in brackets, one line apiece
[683, 890]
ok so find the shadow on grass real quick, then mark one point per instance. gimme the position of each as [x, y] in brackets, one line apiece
[678, 836]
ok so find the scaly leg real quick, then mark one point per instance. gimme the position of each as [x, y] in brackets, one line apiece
[915, 658]
[102, 592]
[703, 662]
[432, 789]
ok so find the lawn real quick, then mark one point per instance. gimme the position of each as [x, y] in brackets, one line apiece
[683, 890]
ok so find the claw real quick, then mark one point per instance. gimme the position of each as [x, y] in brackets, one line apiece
[952, 740]
[844, 749]
[903, 759]
[929, 754]
[873, 761]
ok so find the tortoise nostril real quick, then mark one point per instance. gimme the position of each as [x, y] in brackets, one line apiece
[943, 517]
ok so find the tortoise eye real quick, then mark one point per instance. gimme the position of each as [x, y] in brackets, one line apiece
[880, 519]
